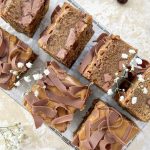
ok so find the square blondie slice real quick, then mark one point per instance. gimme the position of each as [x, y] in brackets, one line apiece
[105, 128]
[106, 61]
[68, 34]
[24, 15]
[55, 98]
[14, 59]
[136, 99]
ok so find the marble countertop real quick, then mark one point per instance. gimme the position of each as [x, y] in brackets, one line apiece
[131, 21]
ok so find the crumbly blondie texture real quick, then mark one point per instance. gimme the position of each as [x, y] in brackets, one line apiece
[55, 98]
[24, 15]
[105, 128]
[137, 98]
[107, 60]
[68, 34]
[13, 52]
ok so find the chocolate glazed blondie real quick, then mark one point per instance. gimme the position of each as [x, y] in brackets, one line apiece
[104, 129]
[14, 55]
[24, 15]
[107, 60]
[55, 98]
[136, 95]
[68, 34]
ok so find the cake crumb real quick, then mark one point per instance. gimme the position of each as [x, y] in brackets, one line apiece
[124, 56]
[134, 100]
[110, 92]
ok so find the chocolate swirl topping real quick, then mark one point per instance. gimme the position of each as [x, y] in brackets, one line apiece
[70, 96]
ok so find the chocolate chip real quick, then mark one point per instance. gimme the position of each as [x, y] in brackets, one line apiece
[106, 86]
[148, 102]
[55, 12]
[107, 77]
[72, 39]
[122, 1]
[62, 53]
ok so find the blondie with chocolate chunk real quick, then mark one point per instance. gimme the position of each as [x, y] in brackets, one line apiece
[24, 15]
[107, 60]
[136, 98]
[55, 98]
[105, 128]
[14, 55]
[68, 34]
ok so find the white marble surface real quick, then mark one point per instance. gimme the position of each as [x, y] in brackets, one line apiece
[131, 21]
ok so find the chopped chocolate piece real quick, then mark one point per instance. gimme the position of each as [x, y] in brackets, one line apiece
[105, 128]
[148, 102]
[55, 13]
[137, 90]
[71, 40]
[105, 60]
[122, 1]
[24, 15]
[59, 96]
[70, 31]
[107, 77]
[13, 52]
[62, 53]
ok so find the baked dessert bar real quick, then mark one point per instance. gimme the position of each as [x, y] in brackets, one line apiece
[68, 34]
[136, 99]
[106, 61]
[14, 57]
[24, 15]
[55, 98]
[105, 128]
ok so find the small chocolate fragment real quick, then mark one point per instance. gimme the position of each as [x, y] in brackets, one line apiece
[62, 54]
[107, 77]
[148, 102]
[122, 1]
[55, 12]
[71, 40]
[106, 86]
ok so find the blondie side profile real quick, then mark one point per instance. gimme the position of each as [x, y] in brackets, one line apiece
[14, 57]
[136, 99]
[55, 98]
[107, 61]
[105, 128]
[24, 15]
[68, 34]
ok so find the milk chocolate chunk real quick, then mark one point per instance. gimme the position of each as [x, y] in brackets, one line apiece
[24, 15]
[71, 30]
[105, 60]
[59, 96]
[12, 52]
[105, 128]
[148, 102]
